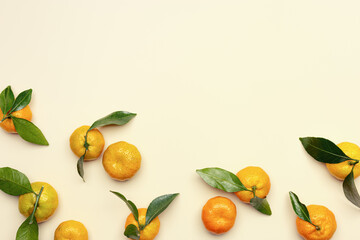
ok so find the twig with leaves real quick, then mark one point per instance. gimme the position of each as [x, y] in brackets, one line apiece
[227, 181]
[325, 151]
[26, 129]
[156, 207]
[16, 183]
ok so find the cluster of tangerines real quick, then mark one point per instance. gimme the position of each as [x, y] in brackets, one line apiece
[38, 201]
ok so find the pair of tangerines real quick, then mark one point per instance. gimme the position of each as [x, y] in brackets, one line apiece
[121, 160]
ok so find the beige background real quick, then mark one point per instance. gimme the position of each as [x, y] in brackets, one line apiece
[215, 83]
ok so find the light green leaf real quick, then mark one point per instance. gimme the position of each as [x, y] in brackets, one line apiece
[80, 166]
[350, 191]
[221, 179]
[261, 204]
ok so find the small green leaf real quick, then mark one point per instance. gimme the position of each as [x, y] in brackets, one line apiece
[117, 118]
[80, 167]
[29, 230]
[22, 100]
[261, 204]
[132, 232]
[14, 182]
[323, 150]
[6, 100]
[28, 131]
[130, 205]
[221, 179]
[158, 205]
[299, 208]
[350, 190]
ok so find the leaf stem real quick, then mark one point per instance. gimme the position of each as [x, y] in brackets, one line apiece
[36, 204]
[355, 162]
[5, 117]
[253, 190]
[86, 144]
[316, 227]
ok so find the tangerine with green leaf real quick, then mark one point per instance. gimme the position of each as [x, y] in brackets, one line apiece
[47, 205]
[8, 124]
[254, 179]
[95, 143]
[150, 231]
[325, 222]
[143, 223]
[341, 170]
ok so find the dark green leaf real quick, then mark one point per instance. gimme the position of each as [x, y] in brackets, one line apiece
[323, 150]
[80, 167]
[22, 100]
[130, 205]
[221, 179]
[299, 208]
[14, 182]
[132, 232]
[350, 190]
[158, 205]
[28, 231]
[6, 100]
[28, 131]
[117, 118]
[261, 204]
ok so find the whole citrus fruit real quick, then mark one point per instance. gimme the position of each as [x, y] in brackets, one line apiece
[8, 124]
[47, 205]
[321, 217]
[218, 215]
[71, 230]
[253, 178]
[121, 160]
[95, 142]
[150, 231]
[341, 170]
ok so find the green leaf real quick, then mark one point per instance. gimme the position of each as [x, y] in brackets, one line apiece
[130, 205]
[323, 150]
[261, 204]
[117, 118]
[22, 100]
[80, 167]
[28, 131]
[221, 179]
[14, 182]
[158, 205]
[299, 208]
[6, 100]
[132, 232]
[350, 190]
[27, 230]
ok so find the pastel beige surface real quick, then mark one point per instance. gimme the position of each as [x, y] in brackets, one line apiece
[214, 83]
